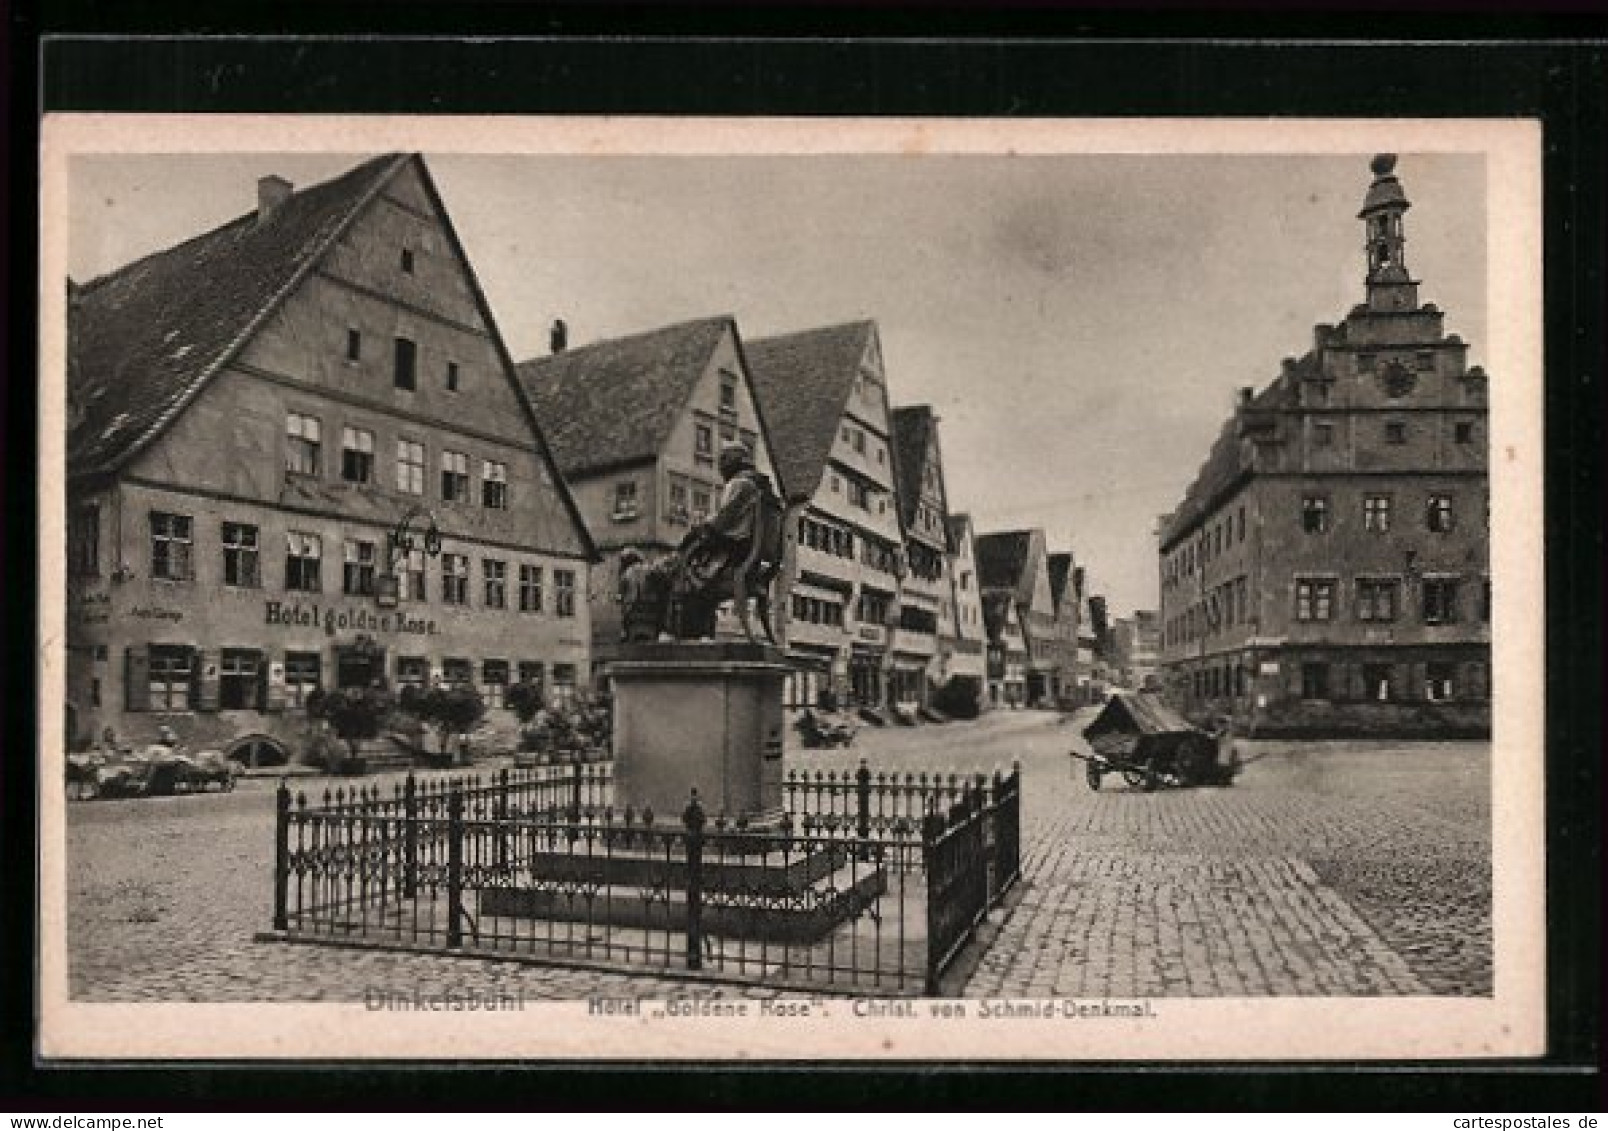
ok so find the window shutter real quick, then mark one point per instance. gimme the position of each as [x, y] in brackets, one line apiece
[136, 678]
[207, 682]
[274, 685]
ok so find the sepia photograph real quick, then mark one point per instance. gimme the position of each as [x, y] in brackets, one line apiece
[599, 588]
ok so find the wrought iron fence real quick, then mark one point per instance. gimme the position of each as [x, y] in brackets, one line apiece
[541, 866]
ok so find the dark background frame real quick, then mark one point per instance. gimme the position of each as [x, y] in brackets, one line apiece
[82, 55]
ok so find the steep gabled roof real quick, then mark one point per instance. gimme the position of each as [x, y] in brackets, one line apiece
[1002, 558]
[803, 381]
[997, 606]
[616, 402]
[957, 525]
[144, 339]
[912, 428]
[1060, 573]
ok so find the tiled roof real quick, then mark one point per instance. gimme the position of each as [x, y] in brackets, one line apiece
[616, 402]
[912, 425]
[803, 381]
[1060, 574]
[145, 338]
[1230, 455]
[1002, 558]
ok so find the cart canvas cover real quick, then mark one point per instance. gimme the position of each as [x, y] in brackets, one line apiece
[1136, 714]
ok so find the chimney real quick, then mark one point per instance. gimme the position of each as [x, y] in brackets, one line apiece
[272, 191]
[558, 336]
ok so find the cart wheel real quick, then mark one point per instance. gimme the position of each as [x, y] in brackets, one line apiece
[1138, 779]
[1092, 772]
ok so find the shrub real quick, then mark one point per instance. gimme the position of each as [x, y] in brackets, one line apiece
[353, 713]
[959, 697]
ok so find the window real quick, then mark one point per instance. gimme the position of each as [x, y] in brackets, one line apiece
[407, 260]
[303, 434]
[454, 477]
[564, 592]
[302, 674]
[457, 673]
[563, 684]
[357, 455]
[859, 441]
[83, 542]
[530, 671]
[354, 345]
[1395, 432]
[357, 574]
[676, 506]
[240, 680]
[728, 393]
[625, 500]
[1463, 432]
[700, 503]
[170, 546]
[452, 376]
[728, 432]
[859, 494]
[1378, 598]
[1323, 435]
[172, 669]
[1314, 681]
[1242, 524]
[703, 444]
[495, 576]
[1424, 361]
[454, 579]
[1314, 599]
[1314, 514]
[872, 608]
[1376, 513]
[530, 589]
[410, 585]
[1366, 362]
[241, 567]
[1485, 601]
[494, 681]
[1376, 682]
[1438, 514]
[410, 467]
[1440, 681]
[1440, 600]
[413, 671]
[494, 485]
[304, 554]
[406, 370]
[1240, 594]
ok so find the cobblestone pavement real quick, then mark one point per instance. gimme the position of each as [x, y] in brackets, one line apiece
[1327, 869]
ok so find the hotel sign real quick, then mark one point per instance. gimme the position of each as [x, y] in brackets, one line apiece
[351, 619]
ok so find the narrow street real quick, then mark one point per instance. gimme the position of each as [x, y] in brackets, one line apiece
[1355, 868]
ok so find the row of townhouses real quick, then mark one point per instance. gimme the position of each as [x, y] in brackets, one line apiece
[300, 455]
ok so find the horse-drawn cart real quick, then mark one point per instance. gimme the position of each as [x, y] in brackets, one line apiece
[1151, 745]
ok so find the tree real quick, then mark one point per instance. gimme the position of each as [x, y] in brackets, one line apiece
[354, 713]
[450, 710]
[525, 700]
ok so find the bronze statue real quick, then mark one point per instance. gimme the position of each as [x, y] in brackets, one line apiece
[733, 555]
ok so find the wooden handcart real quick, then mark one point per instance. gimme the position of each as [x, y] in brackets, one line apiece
[1152, 746]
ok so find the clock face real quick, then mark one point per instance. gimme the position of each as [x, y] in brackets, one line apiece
[1397, 380]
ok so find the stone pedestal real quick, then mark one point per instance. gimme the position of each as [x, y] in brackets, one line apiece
[699, 716]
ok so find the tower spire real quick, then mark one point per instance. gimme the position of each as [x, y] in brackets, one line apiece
[1390, 287]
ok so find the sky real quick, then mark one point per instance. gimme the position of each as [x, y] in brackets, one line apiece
[1080, 323]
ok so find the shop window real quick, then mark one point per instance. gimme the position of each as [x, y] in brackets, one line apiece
[625, 501]
[1314, 599]
[494, 485]
[1440, 600]
[303, 671]
[494, 682]
[1438, 514]
[1376, 513]
[564, 592]
[1314, 514]
[304, 559]
[240, 680]
[83, 541]
[241, 566]
[530, 588]
[454, 477]
[405, 372]
[411, 585]
[454, 579]
[1440, 681]
[495, 576]
[457, 673]
[171, 545]
[1378, 599]
[172, 674]
[1376, 684]
[1314, 681]
[413, 671]
[357, 574]
[410, 467]
[357, 455]
[303, 442]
